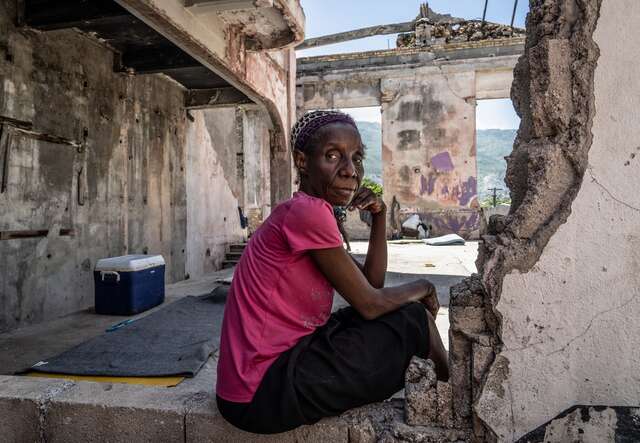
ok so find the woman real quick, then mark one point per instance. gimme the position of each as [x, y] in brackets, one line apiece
[285, 360]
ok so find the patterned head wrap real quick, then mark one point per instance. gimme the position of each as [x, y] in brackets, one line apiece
[309, 123]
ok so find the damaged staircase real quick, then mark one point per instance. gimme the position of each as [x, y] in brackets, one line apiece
[232, 257]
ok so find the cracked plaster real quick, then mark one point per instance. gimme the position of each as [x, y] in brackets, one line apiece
[563, 273]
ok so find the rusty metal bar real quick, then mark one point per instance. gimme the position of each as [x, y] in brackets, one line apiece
[394, 28]
[513, 16]
[356, 34]
[5, 146]
[34, 233]
[484, 13]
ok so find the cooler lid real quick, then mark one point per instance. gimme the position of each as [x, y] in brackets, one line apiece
[129, 263]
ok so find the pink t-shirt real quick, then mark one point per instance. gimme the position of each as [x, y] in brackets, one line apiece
[278, 295]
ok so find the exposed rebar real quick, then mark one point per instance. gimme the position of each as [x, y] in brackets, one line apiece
[513, 16]
[484, 13]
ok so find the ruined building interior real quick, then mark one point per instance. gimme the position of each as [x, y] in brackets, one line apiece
[161, 127]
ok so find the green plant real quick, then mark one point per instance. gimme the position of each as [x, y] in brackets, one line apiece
[500, 200]
[370, 184]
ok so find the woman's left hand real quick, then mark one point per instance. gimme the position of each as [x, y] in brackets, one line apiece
[366, 200]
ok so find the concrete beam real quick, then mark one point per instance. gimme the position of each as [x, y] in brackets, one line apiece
[70, 13]
[394, 28]
[411, 57]
[220, 5]
[494, 83]
[215, 98]
[356, 34]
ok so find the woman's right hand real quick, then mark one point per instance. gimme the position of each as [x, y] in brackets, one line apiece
[430, 300]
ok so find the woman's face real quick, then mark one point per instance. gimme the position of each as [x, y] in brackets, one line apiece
[333, 169]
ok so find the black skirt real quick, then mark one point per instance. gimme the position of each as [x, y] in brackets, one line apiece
[346, 363]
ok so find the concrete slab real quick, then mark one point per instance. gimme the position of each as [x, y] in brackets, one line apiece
[45, 340]
[21, 403]
[35, 409]
[409, 260]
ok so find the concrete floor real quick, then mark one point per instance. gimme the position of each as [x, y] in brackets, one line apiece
[409, 260]
[63, 410]
[443, 265]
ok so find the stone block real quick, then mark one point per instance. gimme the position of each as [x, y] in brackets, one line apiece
[23, 401]
[468, 319]
[482, 359]
[460, 356]
[427, 434]
[445, 405]
[205, 424]
[421, 402]
[551, 86]
[468, 292]
[104, 412]
[330, 429]
[362, 432]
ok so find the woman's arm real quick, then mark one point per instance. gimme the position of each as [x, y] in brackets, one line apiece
[375, 265]
[370, 302]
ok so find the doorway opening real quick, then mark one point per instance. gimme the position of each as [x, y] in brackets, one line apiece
[496, 127]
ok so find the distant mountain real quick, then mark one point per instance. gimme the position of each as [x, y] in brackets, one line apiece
[371, 134]
[492, 146]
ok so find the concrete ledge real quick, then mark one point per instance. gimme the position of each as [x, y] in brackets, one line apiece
[205, 424]
[36, 409]
[23, 403]
[39, 410]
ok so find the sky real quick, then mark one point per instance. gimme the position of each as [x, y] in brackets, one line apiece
[330, 16]
[490, 114]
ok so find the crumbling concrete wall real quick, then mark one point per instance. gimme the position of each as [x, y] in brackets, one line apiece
[429, 148]
[428, 104]
[96, 164]
[257, 166]
[561, 271]
[114, 182]
[214, 188]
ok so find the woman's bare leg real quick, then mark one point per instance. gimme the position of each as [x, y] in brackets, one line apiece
[437, 352]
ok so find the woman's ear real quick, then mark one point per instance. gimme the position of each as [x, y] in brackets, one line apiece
[300, 161]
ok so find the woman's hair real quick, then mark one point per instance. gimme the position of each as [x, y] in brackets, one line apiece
[305, 128]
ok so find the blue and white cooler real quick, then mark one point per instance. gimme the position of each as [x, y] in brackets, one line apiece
[129, 284]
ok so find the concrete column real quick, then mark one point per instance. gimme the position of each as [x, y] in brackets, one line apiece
[429, 149]
[257, 166]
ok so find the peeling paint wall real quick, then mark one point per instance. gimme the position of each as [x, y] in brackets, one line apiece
[214, 188]
[97, 164]
[257, 165]
[121, 191]
[428, 149]
[589, 424]
[561, 271]
[428, 123]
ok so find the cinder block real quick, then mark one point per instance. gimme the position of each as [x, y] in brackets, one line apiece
[103, 412]
[421, 402]
[444, 395]
[460, 378]
[205, 424]
[468, 319]
[23, 403]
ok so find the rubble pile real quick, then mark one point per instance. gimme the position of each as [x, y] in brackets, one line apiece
[428, 33]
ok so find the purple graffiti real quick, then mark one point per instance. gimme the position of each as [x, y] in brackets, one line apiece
[460, 223]
[469, 190]
[442, 162]
[423, 185]
[427, 185]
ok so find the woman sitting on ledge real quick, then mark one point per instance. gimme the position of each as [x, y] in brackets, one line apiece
[285, 360]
